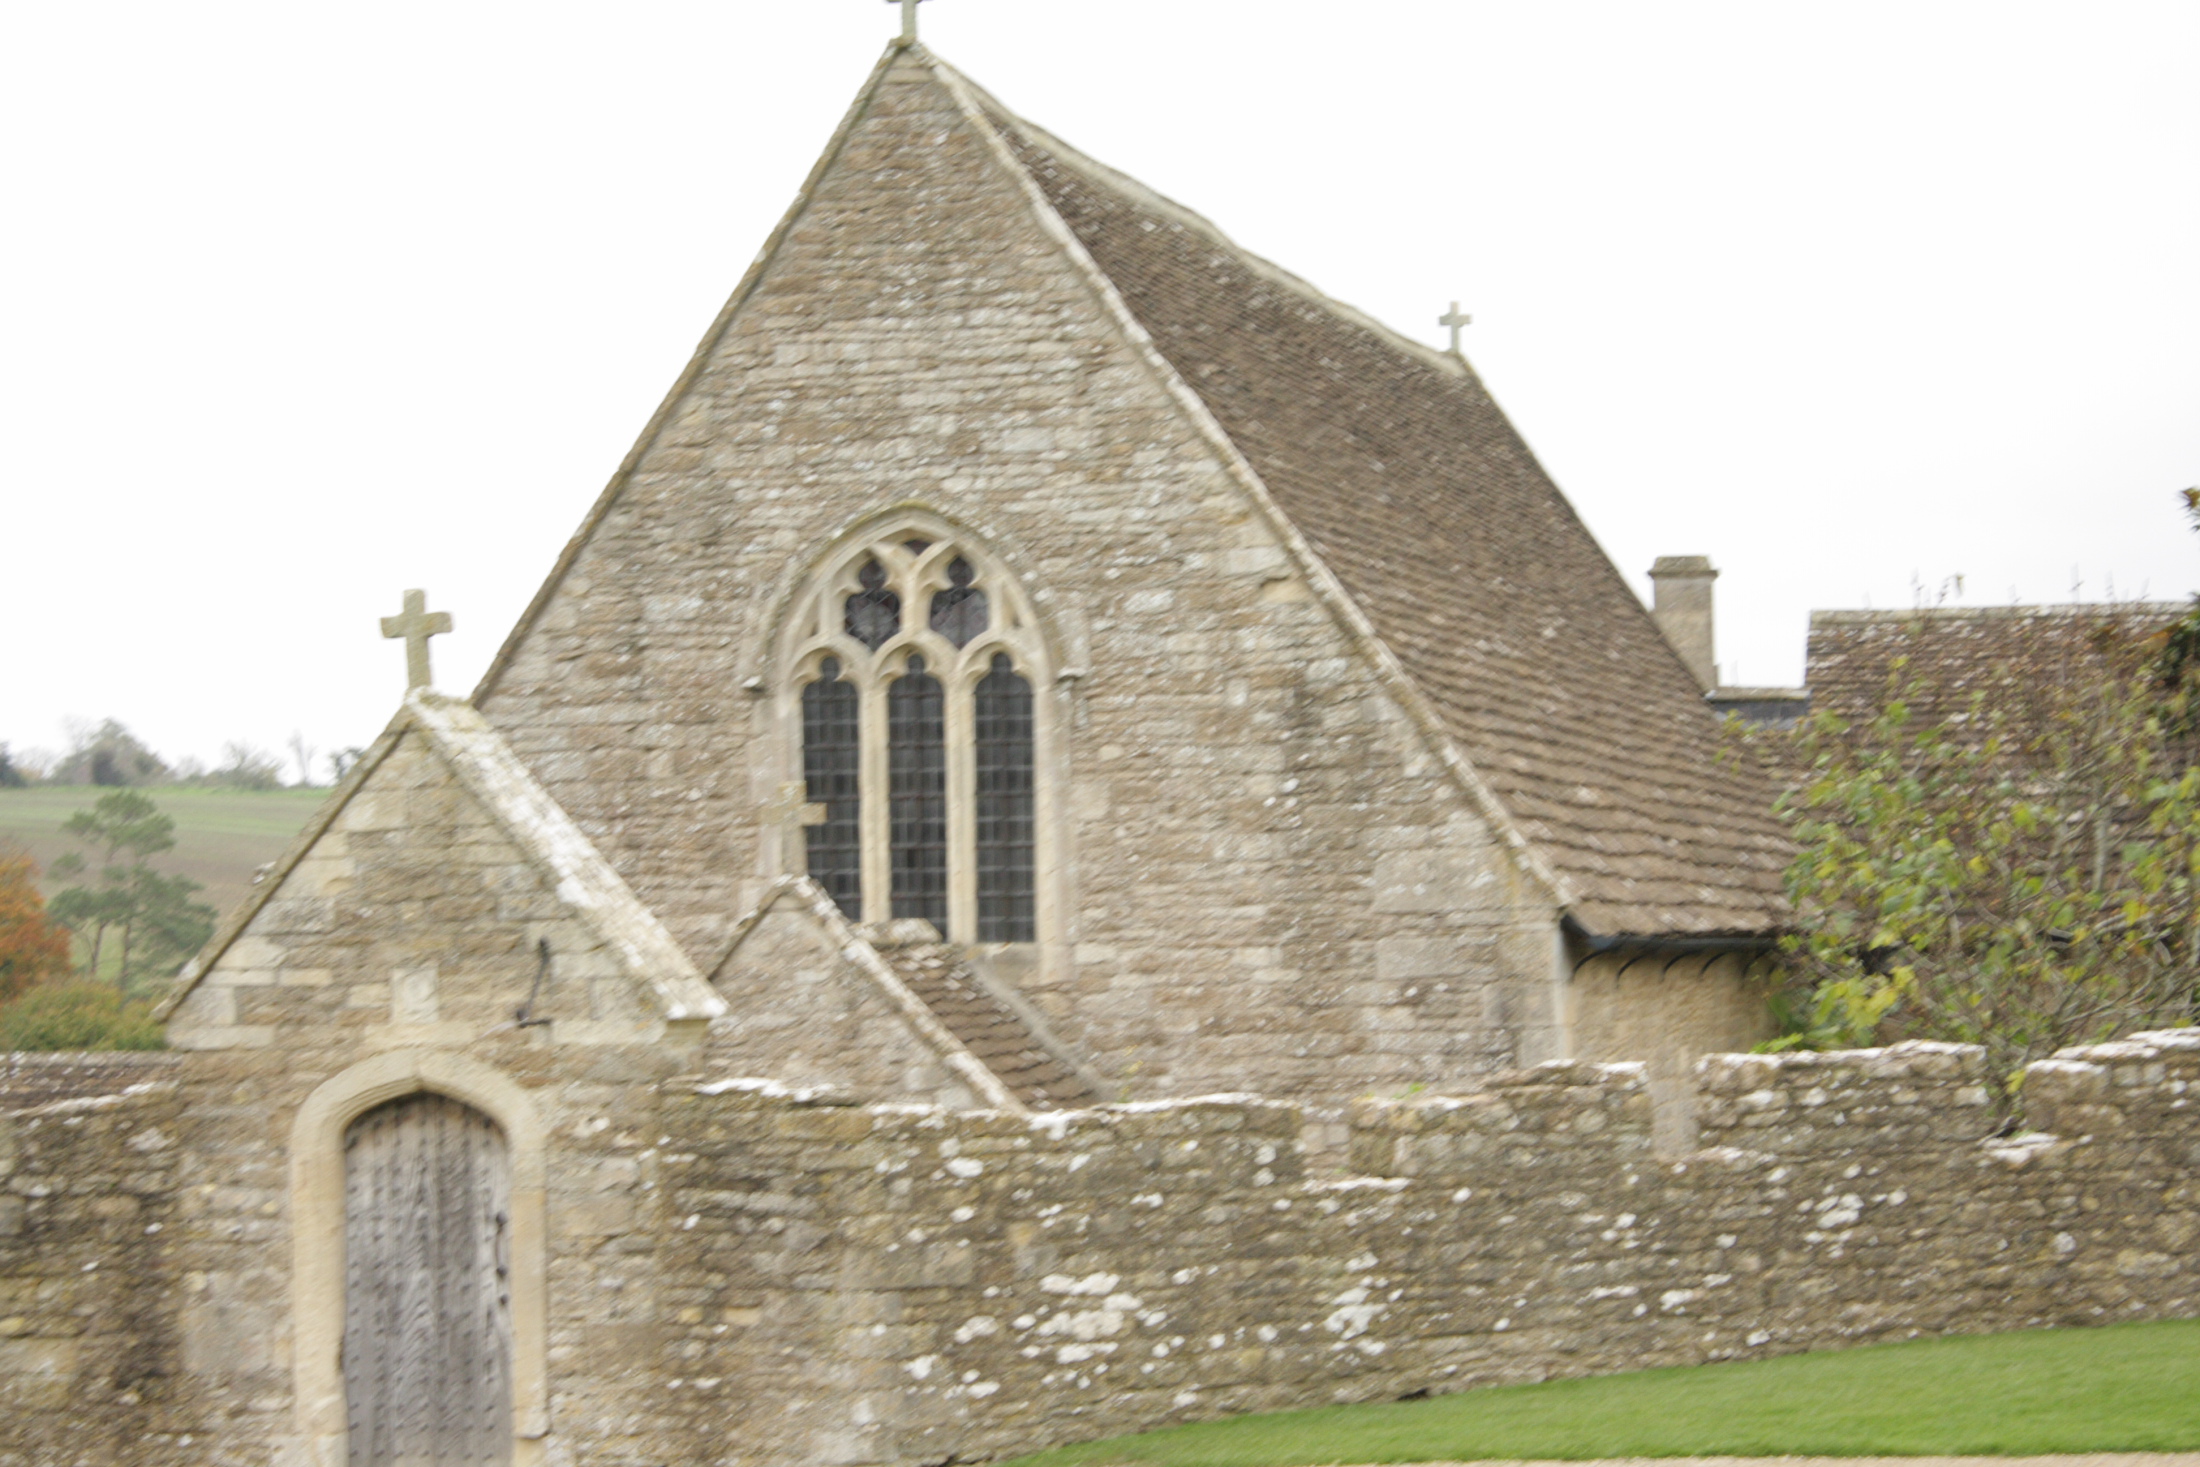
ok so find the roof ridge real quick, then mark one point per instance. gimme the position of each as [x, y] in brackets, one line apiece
[2001, 613]
[1161, 203]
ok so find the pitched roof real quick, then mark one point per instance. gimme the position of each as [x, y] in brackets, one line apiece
[1411, 487]
[1957, 653]
[1424, 521]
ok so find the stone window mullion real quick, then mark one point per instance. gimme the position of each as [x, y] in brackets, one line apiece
[878, 901]
[962, 825]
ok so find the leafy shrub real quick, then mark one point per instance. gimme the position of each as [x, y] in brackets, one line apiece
[2022, 874]
[64, 1016]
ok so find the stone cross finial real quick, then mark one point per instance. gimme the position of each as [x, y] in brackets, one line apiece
[416, 625]
[1455, 320]
[793, 804]
[908, 20]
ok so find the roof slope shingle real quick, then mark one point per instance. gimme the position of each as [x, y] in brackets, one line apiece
[1409, 483]
[1952, 655]
[940, 975]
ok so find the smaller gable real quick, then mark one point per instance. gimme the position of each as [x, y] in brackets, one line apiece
[438, 840]
[812, 999]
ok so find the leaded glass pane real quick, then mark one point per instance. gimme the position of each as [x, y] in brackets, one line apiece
[916, 792]
[873, 614]
[831, 773]
[1007, 909]
[959, 612]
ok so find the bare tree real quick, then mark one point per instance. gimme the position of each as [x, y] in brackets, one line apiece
[303, 752]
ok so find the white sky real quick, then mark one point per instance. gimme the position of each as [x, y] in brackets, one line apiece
[301, 305]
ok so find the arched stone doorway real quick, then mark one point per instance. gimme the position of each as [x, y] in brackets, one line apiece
[427, 1344]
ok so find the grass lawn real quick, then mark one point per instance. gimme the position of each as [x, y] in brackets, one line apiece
[2124, 1388]
[222, 836]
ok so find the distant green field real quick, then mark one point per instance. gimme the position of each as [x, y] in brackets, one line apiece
[222, 836]
[2123, 1388]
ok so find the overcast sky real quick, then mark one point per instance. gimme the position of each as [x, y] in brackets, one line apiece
[303, 304]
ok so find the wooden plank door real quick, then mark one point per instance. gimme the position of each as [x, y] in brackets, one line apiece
[427, 1296]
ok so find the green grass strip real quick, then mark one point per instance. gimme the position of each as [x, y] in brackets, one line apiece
[2123, 1388]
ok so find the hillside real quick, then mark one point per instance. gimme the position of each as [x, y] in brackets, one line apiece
[222, 836]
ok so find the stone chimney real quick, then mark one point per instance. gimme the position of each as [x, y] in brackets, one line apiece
[1682, 605]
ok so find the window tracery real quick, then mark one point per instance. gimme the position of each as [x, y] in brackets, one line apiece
[958, 613]
[911, 662]
[873, 614]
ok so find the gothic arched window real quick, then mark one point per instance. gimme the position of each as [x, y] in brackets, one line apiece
[913, 662]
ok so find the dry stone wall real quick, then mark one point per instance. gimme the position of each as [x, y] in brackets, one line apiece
[89, 1347]
[748, 1274]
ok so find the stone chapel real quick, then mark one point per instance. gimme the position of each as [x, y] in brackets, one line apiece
[1039, 656]
[1039, 647]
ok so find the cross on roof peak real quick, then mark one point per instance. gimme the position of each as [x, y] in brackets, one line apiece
[1455, 320]
[908, 20]
[416, 624]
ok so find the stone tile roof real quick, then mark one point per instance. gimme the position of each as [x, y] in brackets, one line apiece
[28, 1080]
[937, 973]
[1398, 468]
[1956, 654]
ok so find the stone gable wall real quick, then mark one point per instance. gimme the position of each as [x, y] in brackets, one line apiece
[744, 1274]
[1267, 883]
[410, 925]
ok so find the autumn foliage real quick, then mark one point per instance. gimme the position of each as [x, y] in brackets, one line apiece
[33, 949]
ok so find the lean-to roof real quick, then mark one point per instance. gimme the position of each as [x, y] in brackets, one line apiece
[1407, 481]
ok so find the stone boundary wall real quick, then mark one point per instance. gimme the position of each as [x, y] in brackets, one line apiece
[919, 1285]
[834, 1283]
[88, 1340]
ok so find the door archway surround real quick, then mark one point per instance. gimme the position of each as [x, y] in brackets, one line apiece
[317, 1236]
